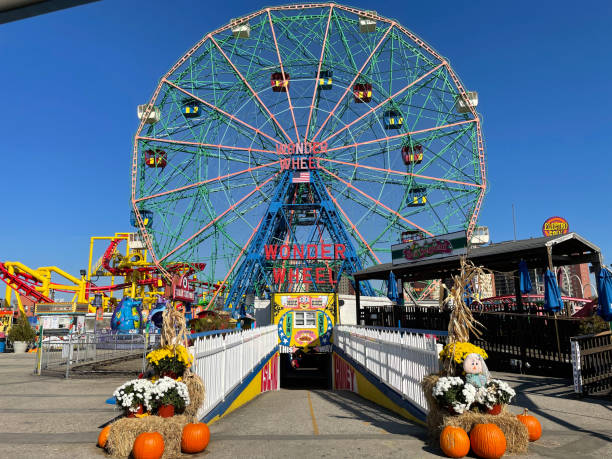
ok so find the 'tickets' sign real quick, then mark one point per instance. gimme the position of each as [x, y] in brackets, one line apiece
[555, 226]
[441, 246]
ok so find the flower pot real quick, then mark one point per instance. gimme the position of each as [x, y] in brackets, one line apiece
[495, 410]
[132, 414]
[20, 347]
[165, 411]
[169, 374]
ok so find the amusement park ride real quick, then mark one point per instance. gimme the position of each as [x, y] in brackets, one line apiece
[282, 153]
[296, 129]
[131, 275]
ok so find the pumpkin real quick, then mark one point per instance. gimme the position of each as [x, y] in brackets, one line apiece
[195, 438]
[488, 441]
[148, 445]
[534, 428]
[103, 437]
[454, 441]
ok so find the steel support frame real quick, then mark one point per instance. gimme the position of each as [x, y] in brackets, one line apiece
[276, 226]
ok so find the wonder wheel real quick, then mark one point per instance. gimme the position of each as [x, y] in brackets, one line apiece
[395, 138]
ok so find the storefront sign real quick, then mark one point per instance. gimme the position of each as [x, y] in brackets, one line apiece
[445, 245]
[555, 226]
[183, 291]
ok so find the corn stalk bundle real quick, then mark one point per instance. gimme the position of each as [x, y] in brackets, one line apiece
[462, 321]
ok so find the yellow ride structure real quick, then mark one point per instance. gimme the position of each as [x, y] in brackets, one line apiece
[130, 273]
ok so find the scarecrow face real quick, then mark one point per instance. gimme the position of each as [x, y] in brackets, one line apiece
[472, 364]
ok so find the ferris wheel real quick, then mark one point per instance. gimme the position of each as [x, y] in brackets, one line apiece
[395, 136]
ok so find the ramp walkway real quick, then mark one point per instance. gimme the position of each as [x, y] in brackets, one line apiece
[318, 423]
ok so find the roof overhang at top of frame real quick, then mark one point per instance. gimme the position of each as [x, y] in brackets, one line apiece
[15, 10]
[565, 250]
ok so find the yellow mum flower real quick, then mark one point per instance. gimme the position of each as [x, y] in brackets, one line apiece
[459, 351]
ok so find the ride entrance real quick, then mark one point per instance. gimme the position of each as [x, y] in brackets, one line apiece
[291, 147]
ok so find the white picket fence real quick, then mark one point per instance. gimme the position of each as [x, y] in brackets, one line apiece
[224, 360]
[398, 358]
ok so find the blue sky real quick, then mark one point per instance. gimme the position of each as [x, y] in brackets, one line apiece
[71, 81]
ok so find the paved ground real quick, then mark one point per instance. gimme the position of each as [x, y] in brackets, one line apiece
[50, 416]
[342, 425]
[58, 418]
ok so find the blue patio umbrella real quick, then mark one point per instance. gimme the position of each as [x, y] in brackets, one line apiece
[604, 295]
[524, 277]
[468, 293]
[552, 295]
[392, 288]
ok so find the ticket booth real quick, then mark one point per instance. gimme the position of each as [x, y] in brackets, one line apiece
[61, 318]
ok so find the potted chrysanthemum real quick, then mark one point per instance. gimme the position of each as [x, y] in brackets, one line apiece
[453, 394]
[135, 397]
[171, 361]
[494, 395]
[169, 396]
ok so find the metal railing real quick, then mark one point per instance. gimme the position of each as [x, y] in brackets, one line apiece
[223, 359]
[91, 353]
[399, 358]
[592, 363]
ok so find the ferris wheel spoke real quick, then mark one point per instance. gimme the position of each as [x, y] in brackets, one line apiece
[407, 174]
[375, 200]
[399, 136]
[208, 225]
[246, 83]
[280, 61]
[352, 225]
[219, 110]
[204, 182]
[202, 144]
[367, 61]
[316, 83]
[233, 266]
[384, 102]
[372, 210]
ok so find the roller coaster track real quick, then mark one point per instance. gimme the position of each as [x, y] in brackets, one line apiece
[23, 284]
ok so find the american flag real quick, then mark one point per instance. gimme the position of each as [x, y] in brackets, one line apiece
[301, 177]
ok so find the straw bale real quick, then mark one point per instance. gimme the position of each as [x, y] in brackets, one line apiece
[197, 393]
[517, 439]
[124, 431]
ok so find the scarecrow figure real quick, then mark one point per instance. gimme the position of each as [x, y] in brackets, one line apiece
[476, 371]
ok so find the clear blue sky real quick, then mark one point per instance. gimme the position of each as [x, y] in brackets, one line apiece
[71, 81]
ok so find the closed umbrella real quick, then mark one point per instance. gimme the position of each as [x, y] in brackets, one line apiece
[552, 295]
[604, 295]
[524, 277]
[392, 288]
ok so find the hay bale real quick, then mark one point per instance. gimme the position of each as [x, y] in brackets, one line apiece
[124, 431]
[517, 439]
[197, 393]
[435, 415]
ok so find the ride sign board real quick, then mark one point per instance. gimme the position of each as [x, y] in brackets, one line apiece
[555, 226]
[442, 246]
[182, 291]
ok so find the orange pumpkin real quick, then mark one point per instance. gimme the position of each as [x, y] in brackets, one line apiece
[148, 445]
[488, 441]
[454, 441]
[195, 438]
[103, 437]
[534, 428]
